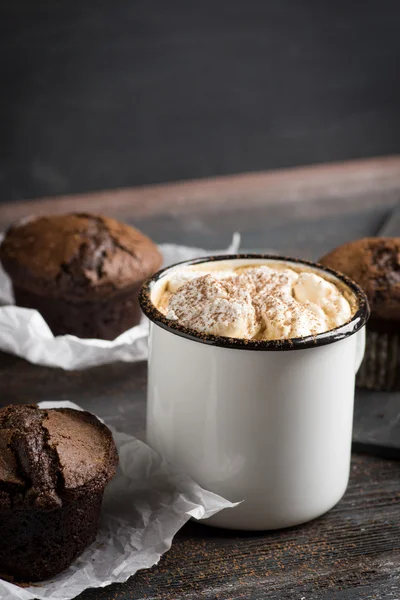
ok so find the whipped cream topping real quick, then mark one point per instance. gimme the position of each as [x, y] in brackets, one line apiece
[254, 302]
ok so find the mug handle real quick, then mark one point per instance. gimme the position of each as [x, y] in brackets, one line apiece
[360, 348]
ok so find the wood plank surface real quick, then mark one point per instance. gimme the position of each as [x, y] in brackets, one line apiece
[352, 552]
[337, 185]
[354, 548]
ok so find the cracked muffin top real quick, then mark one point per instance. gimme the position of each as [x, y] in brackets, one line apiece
[373, 263]
[77, 256]
[49, 455]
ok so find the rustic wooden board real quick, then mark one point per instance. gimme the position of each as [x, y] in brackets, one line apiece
[352, 552]
[356, 547]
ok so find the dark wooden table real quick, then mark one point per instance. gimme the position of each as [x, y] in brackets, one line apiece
[353, 551]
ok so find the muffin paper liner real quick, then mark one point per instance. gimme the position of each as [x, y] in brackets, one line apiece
[24, 332]
[144, 506]
[381, 365]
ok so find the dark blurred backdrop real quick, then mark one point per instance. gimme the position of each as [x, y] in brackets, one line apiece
[102, 94]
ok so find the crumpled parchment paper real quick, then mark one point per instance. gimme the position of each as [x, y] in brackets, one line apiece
[24, 332]
[144, 506]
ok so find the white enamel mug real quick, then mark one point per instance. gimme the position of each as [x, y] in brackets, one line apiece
[267, 423]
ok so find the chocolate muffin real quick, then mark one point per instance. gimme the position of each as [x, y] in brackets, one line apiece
[54, 466]
[374, 263]
[82, 272]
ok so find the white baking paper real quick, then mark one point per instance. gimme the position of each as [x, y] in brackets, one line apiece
[144, 506]
[24, 332]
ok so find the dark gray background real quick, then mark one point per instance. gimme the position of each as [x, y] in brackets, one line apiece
[100, 94]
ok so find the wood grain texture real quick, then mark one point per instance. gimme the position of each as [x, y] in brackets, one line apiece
[364, 183]
[357, 544]
[355, 547]
[297, 211]
[353, 552]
